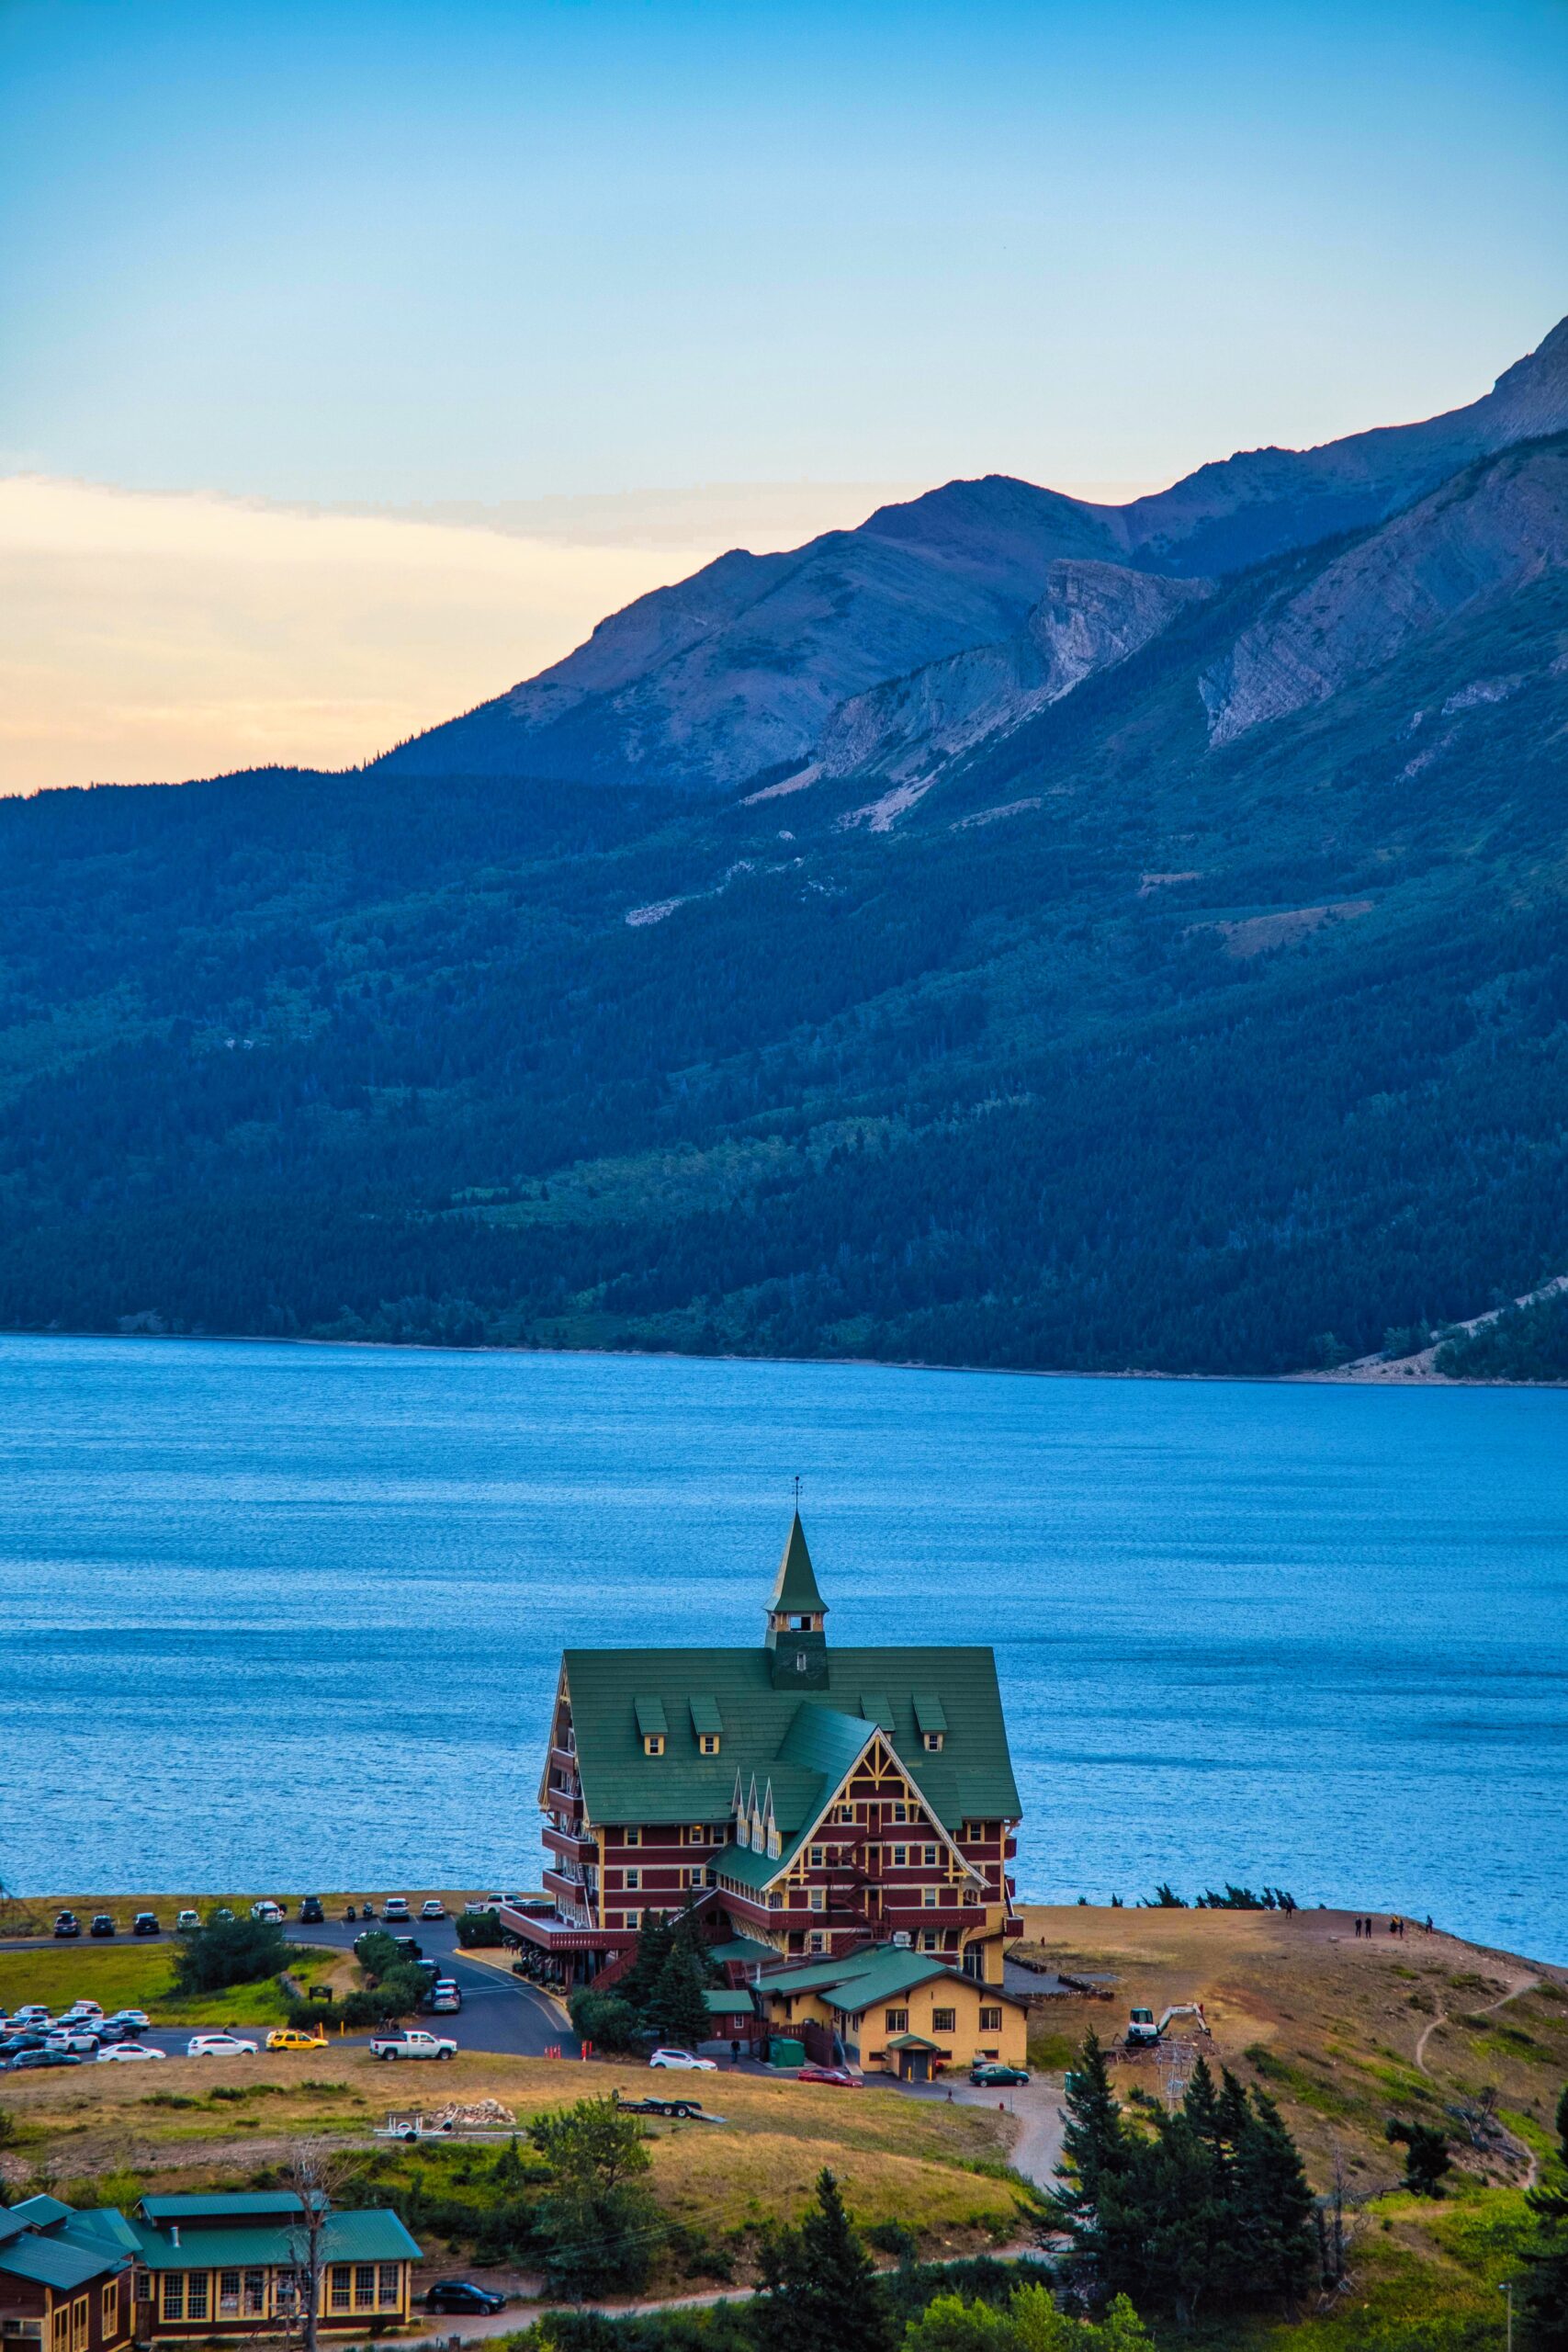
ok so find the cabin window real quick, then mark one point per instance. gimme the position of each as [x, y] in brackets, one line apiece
[944, 2020]
[708, 1743]
[174, 2295]
[110, 2312]
[990, 2020]
[229, 2294]
[340, 2288]
[143, 2285]
[391, 2285]
[365, 2286]
[198, 2287]
[895, 2020]
[80, 2322]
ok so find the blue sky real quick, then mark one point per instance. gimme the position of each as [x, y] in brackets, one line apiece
[402, 253]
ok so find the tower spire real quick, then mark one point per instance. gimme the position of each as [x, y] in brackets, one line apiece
[795, 1617]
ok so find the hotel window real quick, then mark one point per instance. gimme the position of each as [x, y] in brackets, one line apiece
[198, 2287]
[392, 2293]
[815, 1857]
[694, 1874]
[708, 1743]
[653, 1743]
[173, 2298]
[933, 1742]
[895, 2020]
[365, 2286]
[900, 1813]
[817, 1941]
[632, 1836]
[930, 1895]
[340, 2287]
[634, 1881]
[818, 1898]
[900, 1856]
[776, 1898]
[229, 2294]
[990, 2020]
[944, 2020]
[634, 1919]
[931, 1858]
[843, 1813]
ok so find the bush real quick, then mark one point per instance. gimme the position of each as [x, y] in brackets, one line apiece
[479, 1931]
[893, 2238]
[229, 1951]
[606, 2021]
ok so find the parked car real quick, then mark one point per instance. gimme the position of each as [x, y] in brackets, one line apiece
[223, 1913]
[218, 2045]
[683, 2062]
[84, 2043]
[840, 2076]
[129, 2053]
[66, 1923]
[30, 2058]
[146, 1924]
[478, 1904]
[14, 2044]
[292, 2036]
[433, 1907]
[272, 1914]
[110, 2029]
[442, 2001]
[414, 2043]
[137, 2020]
[30, 2013]
[408, 1948]
[395, 1907]
[310, 1912]
[186, 1921]
[81, 2010]
[350, 1913]
[103, 1925]
[991, 2076]
[462, 2295]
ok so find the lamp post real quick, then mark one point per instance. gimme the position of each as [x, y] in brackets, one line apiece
[1507, 2289]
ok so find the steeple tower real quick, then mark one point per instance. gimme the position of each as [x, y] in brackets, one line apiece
[795, 1616]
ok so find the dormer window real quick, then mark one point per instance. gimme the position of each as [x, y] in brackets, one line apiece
[652, 1728]
[930, 1720]
[707, 1743]
[708, 1726]
[933, 1742]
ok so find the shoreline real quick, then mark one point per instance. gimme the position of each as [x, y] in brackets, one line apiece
[1389, 1377]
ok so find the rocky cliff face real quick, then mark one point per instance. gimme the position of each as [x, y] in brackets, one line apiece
[739, 671]
[1092, 616]
[1491, 531]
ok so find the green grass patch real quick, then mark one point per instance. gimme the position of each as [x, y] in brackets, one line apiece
[138, 1976]
[1053, 2053]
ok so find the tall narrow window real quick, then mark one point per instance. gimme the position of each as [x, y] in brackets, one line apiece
[228, 2294]
[173, 2301]
[198, 2287]
[391, 2289]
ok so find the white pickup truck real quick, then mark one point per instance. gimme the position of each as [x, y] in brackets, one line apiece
[413, 2043]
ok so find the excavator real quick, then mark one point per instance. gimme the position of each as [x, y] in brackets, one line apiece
[1145, 2033]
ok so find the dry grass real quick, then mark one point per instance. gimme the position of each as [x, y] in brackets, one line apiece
[1328, 2023]
[197, 2122]
[140, 1976]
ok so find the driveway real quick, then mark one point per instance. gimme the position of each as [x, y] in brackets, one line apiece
[1037, 2105]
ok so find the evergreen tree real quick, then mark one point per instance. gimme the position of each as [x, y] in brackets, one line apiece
[1427, 2157]
[1543, 2298]
[1096, 2150]
[676, 2010]
[820, 2291]
[655, 1940]
[1272, 2233]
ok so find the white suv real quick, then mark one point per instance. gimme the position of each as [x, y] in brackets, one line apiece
[396, 1906]
[218, 2045]
[683, 2062]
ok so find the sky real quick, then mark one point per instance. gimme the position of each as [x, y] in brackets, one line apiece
[570, 294]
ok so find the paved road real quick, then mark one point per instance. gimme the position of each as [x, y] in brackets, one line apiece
[501, 2012]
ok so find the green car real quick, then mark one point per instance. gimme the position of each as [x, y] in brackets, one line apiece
[988, 2077]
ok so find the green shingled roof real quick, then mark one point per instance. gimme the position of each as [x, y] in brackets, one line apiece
[732, 2003]
[780, 1736]
[369, 2235]
[57, 2262]
[796, 1590]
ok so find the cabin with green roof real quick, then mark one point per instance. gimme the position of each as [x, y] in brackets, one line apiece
[808, 1801]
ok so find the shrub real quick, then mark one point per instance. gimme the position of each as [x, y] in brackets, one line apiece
[229, 1951]
[606, 2021]
[479, 1931]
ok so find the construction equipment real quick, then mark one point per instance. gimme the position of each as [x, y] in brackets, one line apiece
[1144, 2032]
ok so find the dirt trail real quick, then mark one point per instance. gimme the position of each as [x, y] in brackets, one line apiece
[1523, 1984]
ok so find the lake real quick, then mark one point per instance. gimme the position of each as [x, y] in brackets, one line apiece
[289, 1616]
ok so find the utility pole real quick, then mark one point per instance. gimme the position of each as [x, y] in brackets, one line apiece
[1507, 2289]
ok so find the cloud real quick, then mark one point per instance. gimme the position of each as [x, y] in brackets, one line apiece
[152, 636]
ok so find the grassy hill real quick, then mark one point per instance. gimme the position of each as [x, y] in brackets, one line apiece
[1110, 1049]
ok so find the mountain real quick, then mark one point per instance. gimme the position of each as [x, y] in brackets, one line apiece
[1157, 970]
[733, 676]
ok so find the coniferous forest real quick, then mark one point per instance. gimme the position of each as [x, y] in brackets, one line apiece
[1116, 1050]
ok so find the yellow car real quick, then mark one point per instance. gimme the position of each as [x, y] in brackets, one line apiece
[288, 2037]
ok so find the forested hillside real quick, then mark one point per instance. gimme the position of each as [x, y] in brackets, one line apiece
[1103, 1043]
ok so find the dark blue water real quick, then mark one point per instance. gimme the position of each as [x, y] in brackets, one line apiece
[285, 1616]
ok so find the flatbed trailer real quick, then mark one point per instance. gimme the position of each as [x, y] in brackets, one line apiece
[684, 2110]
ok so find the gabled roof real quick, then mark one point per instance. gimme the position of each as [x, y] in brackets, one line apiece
[775, 1734]
[874, 1973]
[237, 2205]
[370, 2234]
[57, 2262]
[794, 1592]
[37, 2212]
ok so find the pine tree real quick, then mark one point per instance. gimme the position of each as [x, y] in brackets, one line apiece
[1543, 2300]
[1273, 2234]
[820, 2291]
[655, 1938]
[1096, 2150]
[676, 2011]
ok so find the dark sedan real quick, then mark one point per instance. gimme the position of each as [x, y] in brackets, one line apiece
[27, 2058]
[463, 2295]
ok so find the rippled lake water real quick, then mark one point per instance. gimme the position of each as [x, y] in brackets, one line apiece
[285, 1616]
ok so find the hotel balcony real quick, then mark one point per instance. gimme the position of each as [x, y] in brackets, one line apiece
[565, 1760]
[569, 1888]
[563, 1931]
[569, 1845]
[1009, 1849]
